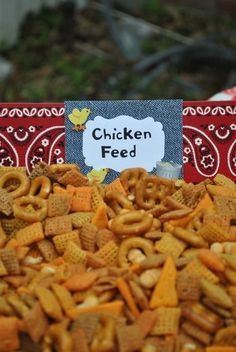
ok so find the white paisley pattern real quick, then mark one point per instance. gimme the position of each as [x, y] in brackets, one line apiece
[206, 157]
[37, 151]
[216, 128]
[209, 110]
[7, 143]
[32, 112]
[30, 133]
[231, 158]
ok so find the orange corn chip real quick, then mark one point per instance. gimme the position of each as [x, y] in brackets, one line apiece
[100, 218]
[164, 293]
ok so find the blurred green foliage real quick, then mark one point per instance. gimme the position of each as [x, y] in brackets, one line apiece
[58, 58]
[153, 7]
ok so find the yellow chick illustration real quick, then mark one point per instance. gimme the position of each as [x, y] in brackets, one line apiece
[78, 118]
[97, 175]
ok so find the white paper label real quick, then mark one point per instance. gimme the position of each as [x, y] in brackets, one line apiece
[123, 142]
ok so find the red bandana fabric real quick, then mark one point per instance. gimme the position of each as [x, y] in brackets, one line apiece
[35, 132]
[30, 133]
[209, 140]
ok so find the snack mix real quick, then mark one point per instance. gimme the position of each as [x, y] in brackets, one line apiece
[141, 264]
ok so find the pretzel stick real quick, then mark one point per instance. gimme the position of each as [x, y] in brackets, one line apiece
[126, 294]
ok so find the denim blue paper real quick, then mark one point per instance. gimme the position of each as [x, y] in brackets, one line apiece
[168, 112]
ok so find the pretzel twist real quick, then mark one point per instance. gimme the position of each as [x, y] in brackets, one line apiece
[130, 177]
[151, 190]
[132, 223]
[118, 201]
[24, 183]
[133, 243]
[39, 205]
[40, 187]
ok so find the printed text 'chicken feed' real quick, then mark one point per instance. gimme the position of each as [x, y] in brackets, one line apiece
[123, 142]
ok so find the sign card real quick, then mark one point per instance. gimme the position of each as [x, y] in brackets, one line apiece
[109, 136]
